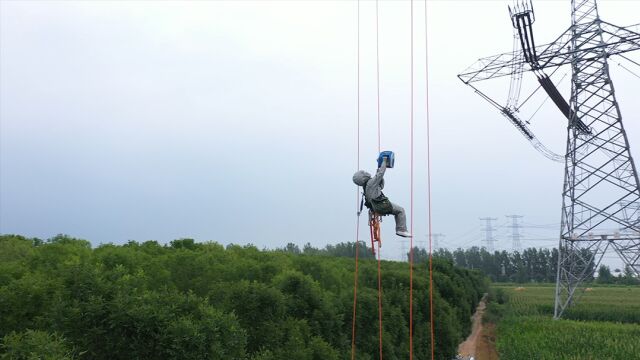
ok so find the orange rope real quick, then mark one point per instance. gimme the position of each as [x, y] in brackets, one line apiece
[378, 72]
[379, 149]
[431, 320]
[355, 294]
[411, 208]
[355, 276]
[379, 301]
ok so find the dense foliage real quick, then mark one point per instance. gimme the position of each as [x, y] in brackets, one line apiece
[529, 265]
[63, 299]
[622, 277]
[605, 324]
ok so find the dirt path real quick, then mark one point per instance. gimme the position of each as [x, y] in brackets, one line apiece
[467, 349]
[486, 345]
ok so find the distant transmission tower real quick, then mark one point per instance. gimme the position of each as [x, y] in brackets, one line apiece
[436, 240]
[488, 233]
[403, 249]
[515, 232]
[601, 192]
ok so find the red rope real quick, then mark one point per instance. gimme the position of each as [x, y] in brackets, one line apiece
[355, 293]
[355, 299]
[379, 301]
[355, 276]
[432, 320]
[379, 149]
[411, 208]
[378, 72]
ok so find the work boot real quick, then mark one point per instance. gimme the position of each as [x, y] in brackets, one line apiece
[404, 233]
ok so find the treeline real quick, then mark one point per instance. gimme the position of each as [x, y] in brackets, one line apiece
[621, 277]
[530, 265]
[63, 299]
[347, 249]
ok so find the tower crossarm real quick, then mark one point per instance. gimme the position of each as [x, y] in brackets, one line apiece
[617, 40]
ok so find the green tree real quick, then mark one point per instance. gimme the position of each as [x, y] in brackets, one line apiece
[604, 275]
[34, 345]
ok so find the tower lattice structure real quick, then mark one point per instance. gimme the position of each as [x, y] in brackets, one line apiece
[515, 227]
[601, 194]
[488, 229]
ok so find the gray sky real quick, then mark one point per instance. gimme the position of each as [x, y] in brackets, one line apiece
[236, 121]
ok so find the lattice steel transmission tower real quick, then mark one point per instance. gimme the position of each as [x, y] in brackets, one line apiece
[488, 229]
[515, 232]
[404, 255]
[601, 197]
[436, 240]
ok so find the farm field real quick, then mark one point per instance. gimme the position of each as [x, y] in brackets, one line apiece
[604, 325]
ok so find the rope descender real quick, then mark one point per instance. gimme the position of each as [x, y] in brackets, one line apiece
[374, 228]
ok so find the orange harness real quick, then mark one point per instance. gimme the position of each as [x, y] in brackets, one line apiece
[374, 227]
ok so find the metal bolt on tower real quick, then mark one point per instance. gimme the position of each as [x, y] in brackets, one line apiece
[601, 194]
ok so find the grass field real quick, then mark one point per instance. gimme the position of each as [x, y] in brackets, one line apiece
[604, 325]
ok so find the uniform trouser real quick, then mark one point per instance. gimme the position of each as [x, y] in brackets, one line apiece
[401, 218]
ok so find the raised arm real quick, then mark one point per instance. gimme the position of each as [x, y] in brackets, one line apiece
[378, 179]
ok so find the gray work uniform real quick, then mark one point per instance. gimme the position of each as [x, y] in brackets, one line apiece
[373, 190]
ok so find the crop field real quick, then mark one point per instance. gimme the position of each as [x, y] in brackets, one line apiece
[604, 325]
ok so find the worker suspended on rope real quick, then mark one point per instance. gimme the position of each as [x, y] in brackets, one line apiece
[375, 200]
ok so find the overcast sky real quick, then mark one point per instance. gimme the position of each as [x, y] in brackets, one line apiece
[236, 121]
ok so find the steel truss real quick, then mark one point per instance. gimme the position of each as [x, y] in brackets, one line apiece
[601, 195]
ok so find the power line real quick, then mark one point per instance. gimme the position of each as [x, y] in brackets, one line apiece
[628, 70]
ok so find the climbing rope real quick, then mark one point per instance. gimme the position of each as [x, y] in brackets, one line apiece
[411, 252]
[378, 73]
[426, 66]
[411, 202]
[355, 290]
[379, 302]
[355, 280]
[379, 149]
[355, 276]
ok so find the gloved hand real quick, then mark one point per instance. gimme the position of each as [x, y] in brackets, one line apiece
[383, 158]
